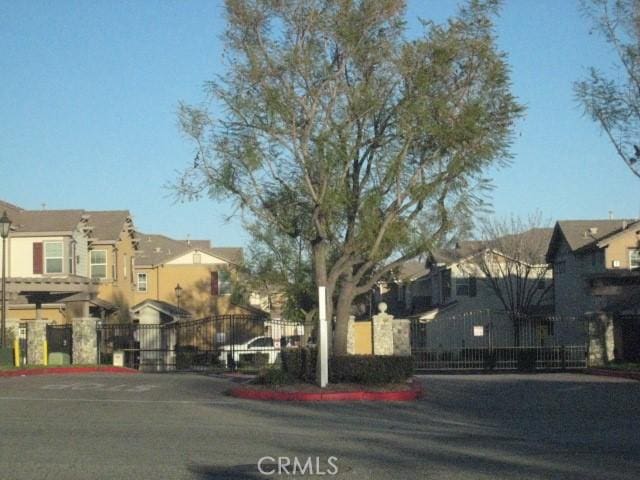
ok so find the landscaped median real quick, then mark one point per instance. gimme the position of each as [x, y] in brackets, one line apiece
[67, 370]
[333, 393]
[351, 378]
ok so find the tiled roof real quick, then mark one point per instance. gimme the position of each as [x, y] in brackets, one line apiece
[40, 221]
[107, 225]
[507, 245]
[585, 234]
[581, 233]
[156, 249]
[8, 207]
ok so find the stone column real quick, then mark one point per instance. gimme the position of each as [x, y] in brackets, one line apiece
[601, 340]
[402, 337]
[382, 331]
[36, 336]
[85, 341]
[351, 336]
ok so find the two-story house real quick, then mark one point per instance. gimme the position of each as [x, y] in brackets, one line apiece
[47, 260]
[203, 273]
[596, 267]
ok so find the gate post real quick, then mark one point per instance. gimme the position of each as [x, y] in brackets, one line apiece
[85, 341]
[36, 338]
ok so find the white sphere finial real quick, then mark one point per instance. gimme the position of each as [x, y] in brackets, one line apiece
[382, 307]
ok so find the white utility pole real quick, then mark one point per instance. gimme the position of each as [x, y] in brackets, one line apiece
[322, 365]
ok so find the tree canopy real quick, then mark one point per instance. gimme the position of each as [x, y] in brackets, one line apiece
[332, 125]
[612, 99]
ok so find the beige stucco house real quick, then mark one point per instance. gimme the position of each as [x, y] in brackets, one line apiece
[204, 274]
[47, 255]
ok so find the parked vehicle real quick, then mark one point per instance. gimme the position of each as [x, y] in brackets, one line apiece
[258, 350]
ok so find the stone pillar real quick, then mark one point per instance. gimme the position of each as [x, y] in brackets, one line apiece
[382, 331]
[601, 340]
[36, 336]
[85, 341]
[402, 337]
[351, 336]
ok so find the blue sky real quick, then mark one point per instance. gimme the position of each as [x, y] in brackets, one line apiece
[89, 91]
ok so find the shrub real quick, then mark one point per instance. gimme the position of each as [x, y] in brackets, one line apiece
[274, 376]
[300, 363]
[370, 369]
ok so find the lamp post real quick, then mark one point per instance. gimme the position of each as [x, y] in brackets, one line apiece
[5, 225]
[178, 291]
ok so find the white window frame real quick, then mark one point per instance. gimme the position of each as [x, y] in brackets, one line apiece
[139, 275]
[45, 257]
[92, 264]
[634, 252]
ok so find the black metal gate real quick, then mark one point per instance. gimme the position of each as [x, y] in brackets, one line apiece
[60, 340]
[225, 342]
[497, 340]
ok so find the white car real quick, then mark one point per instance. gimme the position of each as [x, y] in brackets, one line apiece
[257, 346]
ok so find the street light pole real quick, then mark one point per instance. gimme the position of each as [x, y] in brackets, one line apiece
[5, 225]
[178, 291]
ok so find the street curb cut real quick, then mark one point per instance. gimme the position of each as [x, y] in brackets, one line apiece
[603, 372]
[65, 371]
[414, 393]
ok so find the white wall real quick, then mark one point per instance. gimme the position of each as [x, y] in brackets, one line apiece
[205, 259]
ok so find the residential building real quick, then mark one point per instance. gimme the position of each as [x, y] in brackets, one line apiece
[204, 274]
[112, 251]
[47, 261]
[597, 273]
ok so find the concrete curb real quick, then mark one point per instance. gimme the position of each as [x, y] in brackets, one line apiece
[65, 371]
[248, 393]
[603, 372]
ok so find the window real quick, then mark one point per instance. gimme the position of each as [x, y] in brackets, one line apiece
[124, 266]
[53, 257]
[561, 267]
[224, 282]
[445, 276]
[262, 342]
[462, 286]
[98, 264]
[142, 282]
[634, 258]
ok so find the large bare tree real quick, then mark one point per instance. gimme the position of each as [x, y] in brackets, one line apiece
[514, 266]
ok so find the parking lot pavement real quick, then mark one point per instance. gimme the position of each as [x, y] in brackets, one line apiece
[183, 427]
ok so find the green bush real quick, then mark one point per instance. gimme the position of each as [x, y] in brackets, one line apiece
[300, 363]
[370, 369]
[274, 376]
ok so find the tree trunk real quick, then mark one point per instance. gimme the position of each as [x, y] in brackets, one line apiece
[346, 296]
[319, 250]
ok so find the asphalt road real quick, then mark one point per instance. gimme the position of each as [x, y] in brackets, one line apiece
[546, 426]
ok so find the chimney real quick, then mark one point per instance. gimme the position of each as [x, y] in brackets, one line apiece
[624, 224]
[593, 230]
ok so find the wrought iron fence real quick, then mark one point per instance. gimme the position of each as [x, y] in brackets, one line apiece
[498, 340]
[226, 342]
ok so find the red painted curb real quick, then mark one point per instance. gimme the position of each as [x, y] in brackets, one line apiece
[330, 396]
[65, 371]
[603, 372]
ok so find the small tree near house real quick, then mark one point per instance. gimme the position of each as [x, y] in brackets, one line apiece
[514, 266]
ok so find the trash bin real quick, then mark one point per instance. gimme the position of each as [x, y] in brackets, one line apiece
[118, 358]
